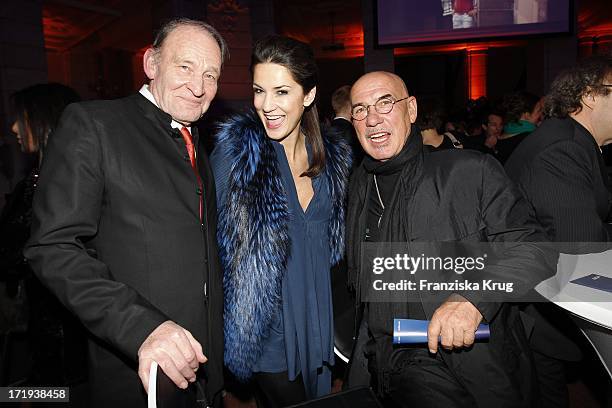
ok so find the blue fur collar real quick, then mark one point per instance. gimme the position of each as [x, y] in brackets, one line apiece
[253, 234]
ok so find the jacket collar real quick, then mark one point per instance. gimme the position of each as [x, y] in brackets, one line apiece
[585, 136]
[146, 92]
[159, 118]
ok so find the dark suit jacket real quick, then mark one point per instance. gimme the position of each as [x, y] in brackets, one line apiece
[117, 237]
[561, 173]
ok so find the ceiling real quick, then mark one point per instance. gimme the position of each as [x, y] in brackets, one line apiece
[120, 24]
[333, 27]
[327, 24]
[68, 23]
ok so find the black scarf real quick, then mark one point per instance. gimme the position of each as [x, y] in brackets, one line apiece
[397, 179]
[394, 227]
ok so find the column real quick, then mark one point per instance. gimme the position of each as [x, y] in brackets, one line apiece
[374, 59]
[477, 72]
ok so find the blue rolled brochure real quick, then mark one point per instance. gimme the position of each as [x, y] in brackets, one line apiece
[411, 331]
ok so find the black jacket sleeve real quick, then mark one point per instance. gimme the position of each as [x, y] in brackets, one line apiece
[560, 186]
[525, 259]
[67, 208]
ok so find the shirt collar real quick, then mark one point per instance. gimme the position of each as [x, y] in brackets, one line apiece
[342, 117]
[144, 91]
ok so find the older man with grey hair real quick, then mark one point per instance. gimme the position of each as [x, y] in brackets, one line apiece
[125, 219]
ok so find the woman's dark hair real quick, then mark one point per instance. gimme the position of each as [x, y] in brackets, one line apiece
[39, 107]
[516, 103]
[569, 87]
[299, 60]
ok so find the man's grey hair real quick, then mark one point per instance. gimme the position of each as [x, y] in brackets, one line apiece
[171, 25]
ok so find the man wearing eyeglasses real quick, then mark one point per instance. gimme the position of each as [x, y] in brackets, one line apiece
[403, 193]
[560, 170]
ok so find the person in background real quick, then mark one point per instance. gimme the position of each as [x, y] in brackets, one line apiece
[281, 190]
[56, 339]
[341, 126]
[522, 115]
[561, 173]
[464, 13]
[492, 128]
[429, 121]
[124, 227]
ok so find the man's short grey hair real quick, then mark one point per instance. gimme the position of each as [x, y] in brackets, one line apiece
[171, 25]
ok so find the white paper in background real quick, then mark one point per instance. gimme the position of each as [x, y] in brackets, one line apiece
[566, 267]
[152, 397]
[588, 303]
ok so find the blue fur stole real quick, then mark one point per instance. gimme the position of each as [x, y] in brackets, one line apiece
[253, 234]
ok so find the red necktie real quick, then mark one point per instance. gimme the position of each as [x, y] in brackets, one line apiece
[192, 158]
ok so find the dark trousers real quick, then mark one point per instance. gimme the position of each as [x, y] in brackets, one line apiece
[552, 381]
[274, 390]
[417, 379]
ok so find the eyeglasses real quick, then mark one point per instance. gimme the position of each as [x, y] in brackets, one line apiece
[607, 85]
[383, 106]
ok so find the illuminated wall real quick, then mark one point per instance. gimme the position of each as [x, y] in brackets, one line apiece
[476, 72]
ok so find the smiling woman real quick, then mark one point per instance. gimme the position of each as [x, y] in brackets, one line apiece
[279, 100]
[281, 189]
[289, 66]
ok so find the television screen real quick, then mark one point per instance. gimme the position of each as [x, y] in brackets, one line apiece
[418, 21]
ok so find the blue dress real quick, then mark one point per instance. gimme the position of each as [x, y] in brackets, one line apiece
[301, 335]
